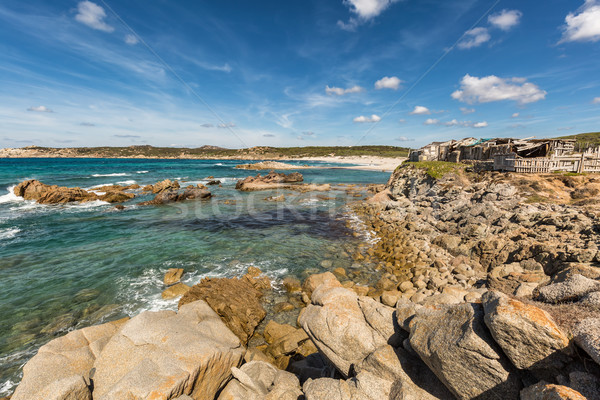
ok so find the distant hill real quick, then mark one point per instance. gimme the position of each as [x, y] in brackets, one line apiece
[206, 152]
[585, 140]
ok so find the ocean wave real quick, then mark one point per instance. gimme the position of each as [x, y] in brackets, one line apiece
[7, 387]
[115, 174]
[141, 172]
[88, 204]
[219, 164]
[10, 196]
[129, 182]
[9, 233]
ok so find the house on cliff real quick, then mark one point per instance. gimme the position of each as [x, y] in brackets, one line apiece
[516, 155]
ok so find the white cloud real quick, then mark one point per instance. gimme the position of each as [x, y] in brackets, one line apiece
[455, 122]
[466, 110]
[515, 115]
[40, 109]
[131, 39]
[505, 19]
[402, 121]
[207, 125]
[584, 26]
[340, 92]
[596, 100]
[367, 9]
[474, 38]
[420, 110]
[404, 139]
[483, 124]
[371, 119]
[268, 135]
[431, 121]
[226, 125]
[388, 83]
[492, 88]
[92, 15]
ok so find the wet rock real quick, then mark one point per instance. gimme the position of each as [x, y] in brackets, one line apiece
[455, 345]
[60, 370]
[587, 336]
[171, 196]
[571, 289]
[116, 197]
[172, 276]
[313, 281]
[548, 391]
[346, 328]
[292, 285]
[163, 186]
[168, 354]
[279, 198]
[175, 291]
[258, 380]
[31, 189]
[235, 300]
[272, 180]
[527, 335]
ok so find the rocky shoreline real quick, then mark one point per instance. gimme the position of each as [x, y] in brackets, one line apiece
[484, 292]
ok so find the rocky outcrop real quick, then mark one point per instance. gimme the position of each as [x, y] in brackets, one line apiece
[527, 335]
[347, 328]
[164, 186]
[259, 380]
[46, 194]
[276, 181]
[168, 354]
[61, 369]
[235, 300]
[587, 336]
[454, 343]
[172, 196]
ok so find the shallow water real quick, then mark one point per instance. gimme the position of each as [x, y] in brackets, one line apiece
[67, 267]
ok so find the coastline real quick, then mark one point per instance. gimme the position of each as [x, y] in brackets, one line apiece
[366, 163]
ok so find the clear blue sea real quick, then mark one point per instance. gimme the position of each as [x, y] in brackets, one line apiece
[67, 267]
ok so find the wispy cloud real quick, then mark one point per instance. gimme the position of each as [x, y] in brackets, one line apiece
[474, 38]
[226, 125]
[40, 109]
[466, 110]
[362, 119]
[386, 82]
[505, 19]
[583, 26]
[340, 91]
[127, 136]
[404, 139]
[88, 124]
[455, 122]
[131, 39]
[92, 15]
[268, 135]
[492, 88]
[207, 125]
[596, 100]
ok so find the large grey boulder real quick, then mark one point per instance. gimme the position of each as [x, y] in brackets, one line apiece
[258, 380]
[527, 335]
[346, 328]
[364, 386]
[408, 377]
[453, 342]
[571, 289]
[587, 336]
[165, 354]
[60, 370]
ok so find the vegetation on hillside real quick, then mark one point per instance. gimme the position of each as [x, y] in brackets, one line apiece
[436, 169]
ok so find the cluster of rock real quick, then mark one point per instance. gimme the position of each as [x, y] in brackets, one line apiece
[277, 181]
[53, 194]
[166, 191]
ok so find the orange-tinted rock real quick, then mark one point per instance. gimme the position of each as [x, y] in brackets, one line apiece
[172, 276]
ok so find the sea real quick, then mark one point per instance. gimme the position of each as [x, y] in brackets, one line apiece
[65, 267]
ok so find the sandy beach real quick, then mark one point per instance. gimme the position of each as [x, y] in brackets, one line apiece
[369, 163]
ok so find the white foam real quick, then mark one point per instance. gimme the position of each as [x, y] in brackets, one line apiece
[219, 164]
[115, 174]
[142, 172]
[130, 182]
[10, 196]
[89, 204]
[9, 233]
[6, 387]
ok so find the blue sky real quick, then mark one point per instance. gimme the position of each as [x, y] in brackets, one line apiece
[295, 73]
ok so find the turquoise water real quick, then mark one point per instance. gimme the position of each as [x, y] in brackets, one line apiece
[67, 267]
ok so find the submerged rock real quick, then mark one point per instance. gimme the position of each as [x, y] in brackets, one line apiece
[165, 354]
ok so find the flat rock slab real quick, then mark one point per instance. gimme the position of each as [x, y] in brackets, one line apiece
[162, 355]
[454, 343]
[172, 276]
[60, 370]
[587, 336]
[571, 289]
[527, 335]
